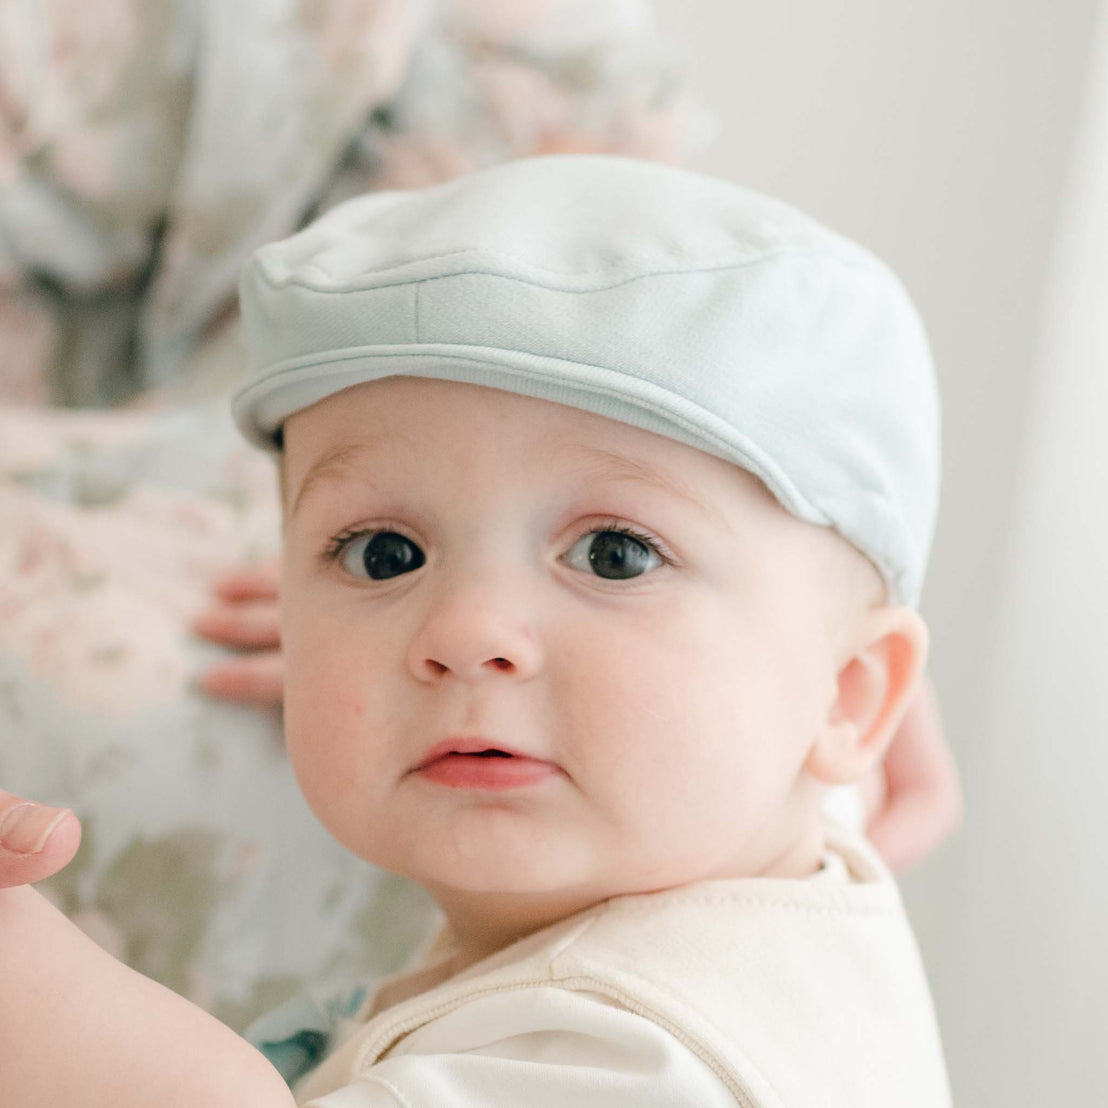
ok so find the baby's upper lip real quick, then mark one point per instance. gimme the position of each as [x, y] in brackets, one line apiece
[469, 744]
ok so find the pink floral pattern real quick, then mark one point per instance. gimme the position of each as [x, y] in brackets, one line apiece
[147, 149]
[99, 571]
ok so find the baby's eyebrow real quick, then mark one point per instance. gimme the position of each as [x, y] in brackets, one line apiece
[609, 466]
[599, 463]
[332, 466]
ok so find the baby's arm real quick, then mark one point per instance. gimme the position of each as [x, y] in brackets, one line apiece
[80, 1028]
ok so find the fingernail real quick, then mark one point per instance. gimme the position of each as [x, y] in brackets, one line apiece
[27, 827]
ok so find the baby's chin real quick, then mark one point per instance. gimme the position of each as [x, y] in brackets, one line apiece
[547, 877]
[510, 869]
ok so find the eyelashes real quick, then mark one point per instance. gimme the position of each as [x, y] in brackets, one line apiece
[381, 555]
[612, 551]
[615, 553]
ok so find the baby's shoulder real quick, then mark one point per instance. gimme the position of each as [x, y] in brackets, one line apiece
[541, 1044]
[721, 986]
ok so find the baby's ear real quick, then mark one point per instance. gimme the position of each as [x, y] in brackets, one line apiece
[872, 691]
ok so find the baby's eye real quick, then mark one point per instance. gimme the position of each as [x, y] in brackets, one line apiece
[380, 555]
[612, 554]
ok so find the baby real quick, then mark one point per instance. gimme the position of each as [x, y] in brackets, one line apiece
[607, 491]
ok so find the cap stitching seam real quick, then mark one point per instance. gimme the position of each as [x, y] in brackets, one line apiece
[863, 264]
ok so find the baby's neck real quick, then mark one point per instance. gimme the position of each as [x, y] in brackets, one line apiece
[480, 925]
[483, 924]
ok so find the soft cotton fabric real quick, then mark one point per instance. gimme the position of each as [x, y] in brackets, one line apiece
[761, 992]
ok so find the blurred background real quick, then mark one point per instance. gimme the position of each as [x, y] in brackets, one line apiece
[966, 141]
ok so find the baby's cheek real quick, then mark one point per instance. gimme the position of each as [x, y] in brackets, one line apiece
[327, 705]
[322, 689]
[630, 727]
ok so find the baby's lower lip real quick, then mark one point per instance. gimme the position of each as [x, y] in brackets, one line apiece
[476, 771]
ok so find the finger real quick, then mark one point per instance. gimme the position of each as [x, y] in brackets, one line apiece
[36, 840]
[910, 827]
[258, 582]
[253, 679]
[923, 802]
[249, 626]
[919, 758]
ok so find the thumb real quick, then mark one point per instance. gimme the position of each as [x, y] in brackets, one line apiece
[35, 840]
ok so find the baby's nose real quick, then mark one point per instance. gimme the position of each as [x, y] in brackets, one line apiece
[435, 668]
[474, 635]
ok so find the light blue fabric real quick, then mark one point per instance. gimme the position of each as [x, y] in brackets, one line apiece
[297, 1034]
[672, 301]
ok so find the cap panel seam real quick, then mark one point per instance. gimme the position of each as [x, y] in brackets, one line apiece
[863, 264]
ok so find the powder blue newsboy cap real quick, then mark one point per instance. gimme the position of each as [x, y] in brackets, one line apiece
[665, 299]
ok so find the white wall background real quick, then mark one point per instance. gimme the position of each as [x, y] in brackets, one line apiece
[949, 137]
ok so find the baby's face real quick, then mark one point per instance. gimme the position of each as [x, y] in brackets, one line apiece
[532, 650]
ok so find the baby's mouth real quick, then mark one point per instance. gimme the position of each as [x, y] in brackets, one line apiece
[466, 746]
[475, 763]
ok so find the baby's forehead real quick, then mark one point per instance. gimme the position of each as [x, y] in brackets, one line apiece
[427, 428]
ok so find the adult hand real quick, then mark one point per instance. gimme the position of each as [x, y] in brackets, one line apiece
[915, 801]
[246, 617]
[35, 840]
